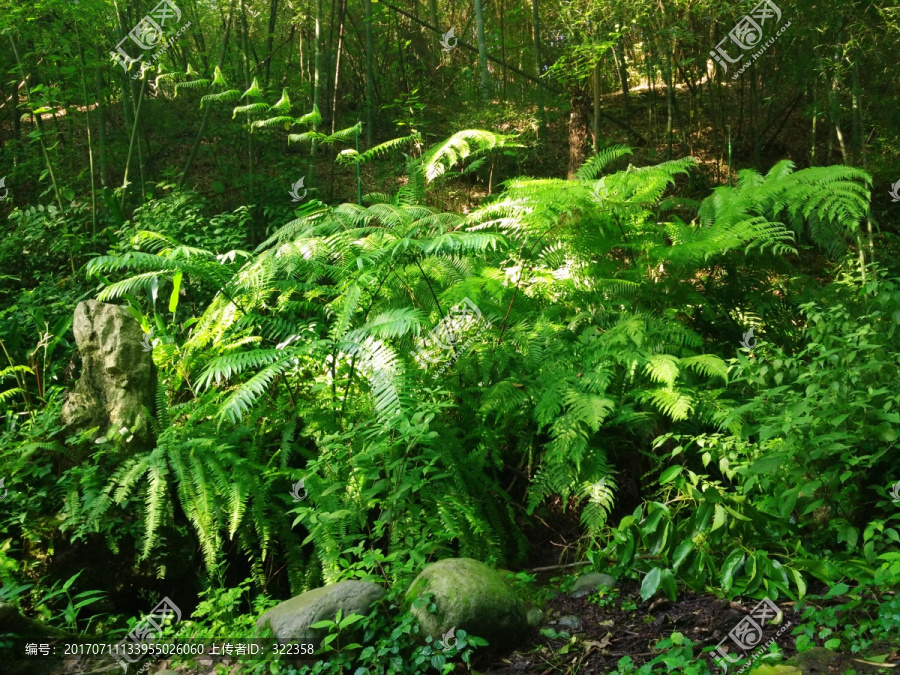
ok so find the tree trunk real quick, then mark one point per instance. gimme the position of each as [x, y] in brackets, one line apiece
[101, 120]
[579, 131]
[337, 65]
[596, 124]
[482, 53]
[370, 83]
[536, 24]
[319, 80]
[273, 15]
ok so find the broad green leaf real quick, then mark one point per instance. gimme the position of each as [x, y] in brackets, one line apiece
[651, 583]
[670, 474]
[176, 288]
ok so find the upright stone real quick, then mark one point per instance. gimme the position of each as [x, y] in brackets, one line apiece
[117, 377]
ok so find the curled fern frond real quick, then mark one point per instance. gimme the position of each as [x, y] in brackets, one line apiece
[251, 108]
[225, 97]
[283, 106]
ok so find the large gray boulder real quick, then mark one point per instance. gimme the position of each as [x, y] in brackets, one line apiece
[291, 620]
[470, 596]
[117, 377]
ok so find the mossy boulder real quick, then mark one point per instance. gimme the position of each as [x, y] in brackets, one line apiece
[470, 596]
[291, 620]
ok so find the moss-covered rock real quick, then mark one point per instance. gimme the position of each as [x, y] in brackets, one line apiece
[470, 596]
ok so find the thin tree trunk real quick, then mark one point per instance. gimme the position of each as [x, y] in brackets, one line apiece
[858, 148]
[205, 120]
[317, 89]
[273, 15]
[290, 58]
[134, 130]
[836, 116]
[482, 53]
[579, 129]
[370, 83]
[815, 117]
[622, 68]
[337, 64]
[87, 117]
[101, 120]
[503, 48]
[536, 29]
[38, 125]
[596, 125]
[326, 67]
[670, 104]
[433, 13]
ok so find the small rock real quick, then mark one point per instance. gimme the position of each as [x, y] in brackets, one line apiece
[534, 615]
[569, 621]
[588, 583]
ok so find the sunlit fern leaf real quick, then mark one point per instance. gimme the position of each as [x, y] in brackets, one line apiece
[458, 147]
[219, 78]
[600, 495]
[307, 136]
[246, 393]
[671, 402]
[283, 106]
[273, 122]
[345, 134]
[708, 365]
[662, 368]
[378, 150]
[312, 119]
[392, 323]
[593, 166]
[224, 97]
[254, 91]
[193, 84]
[590, 409]
[166, 78]
[250, 108]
